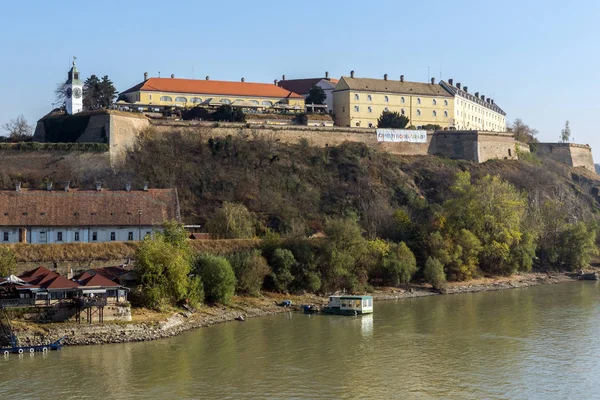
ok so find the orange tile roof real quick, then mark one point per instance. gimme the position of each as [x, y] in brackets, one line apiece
[98, 280]
[197, 86]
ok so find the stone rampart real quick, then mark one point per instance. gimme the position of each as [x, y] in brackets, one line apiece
[574, 155]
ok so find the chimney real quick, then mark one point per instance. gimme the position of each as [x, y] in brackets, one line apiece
[67, 185]
[352, 74]
[98, 186]
[458, 85]
[492, 100]
[18, 186]
[451, 81]
[401, 78]
[326, 74]
[128, 186]
[48, 186]
[275, 82]
[283, 77]
[145, 76]
[243, 79]
[488, 100]
[483, 97]
[466, 89]
[477, 94]
[145, 186]
[385, 77]
[433, 81]
[207, 78]
[172, 76]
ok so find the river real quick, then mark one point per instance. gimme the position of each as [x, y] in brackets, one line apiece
[536, 343]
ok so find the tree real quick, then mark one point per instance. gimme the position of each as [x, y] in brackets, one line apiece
[163, 267]
[282, 263]
[434, 273]
[523, 133]
[8, 262]
[218, 278]
[399, 265]
[60, 95]
[316, 95]
[232, 221]
[227, 113]
[392, 119]
[98, 93]
[18, 129]
[250, 269]
[565, 134]
[577, 246]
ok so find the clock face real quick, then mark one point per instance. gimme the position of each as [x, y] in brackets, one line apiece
[69, 93]
[77, 92]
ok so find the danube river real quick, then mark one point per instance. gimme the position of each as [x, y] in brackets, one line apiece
[536, 343]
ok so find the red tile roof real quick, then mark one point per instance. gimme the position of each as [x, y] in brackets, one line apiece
[197, 86]
[87, 207]
[46, 279]
[97, 280]
[34, 273]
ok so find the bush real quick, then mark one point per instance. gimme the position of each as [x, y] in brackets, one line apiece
[250, 269]
[282, 263]
[8, 262]
[399, 265]
[218, 278]
[434, 273]
[577, 246]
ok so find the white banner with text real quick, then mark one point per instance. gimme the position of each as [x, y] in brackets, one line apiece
[401, 135]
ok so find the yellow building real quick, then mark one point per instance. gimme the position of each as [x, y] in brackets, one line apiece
[359, 102]
[163, 92]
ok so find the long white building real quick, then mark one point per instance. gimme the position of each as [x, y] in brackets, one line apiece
[474, 111]
[83, 216]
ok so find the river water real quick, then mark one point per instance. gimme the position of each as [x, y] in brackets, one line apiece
[536, 343]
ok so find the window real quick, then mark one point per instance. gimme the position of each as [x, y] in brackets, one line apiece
[267, 103]
[196, 100]
[253, 102]
[402, 100]
[418, 100]
[225, 101]
[113, 236]
[434, 102]
[76, 237]
[147, 234]
[343, 109]
[386, 109]
[5, 236]
[419, 112]
[358, 123]
[369, 98]
[445, 102]
[94, 236]
[434, 113]
[149, 97]
[166, 98]
[446, 114]
[403, 112]
[370, 109]
[43, 236]
[357, 108]
[356, 97]
[386, 99]
[130, 236]
[59, 236]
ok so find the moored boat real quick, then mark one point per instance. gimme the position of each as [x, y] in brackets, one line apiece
[349, 305]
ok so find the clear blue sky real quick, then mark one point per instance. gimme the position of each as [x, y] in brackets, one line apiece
[538, 59]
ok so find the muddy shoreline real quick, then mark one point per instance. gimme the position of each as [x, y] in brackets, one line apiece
[179, 322]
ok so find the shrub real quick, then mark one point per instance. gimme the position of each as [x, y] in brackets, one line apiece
[250, 269]
[399, 265]
[282, 263]
[434, 273]
[8, 262]
[218, 278]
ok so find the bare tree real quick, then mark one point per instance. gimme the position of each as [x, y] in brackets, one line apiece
[18, 129]
[523, 133]
[60, 95]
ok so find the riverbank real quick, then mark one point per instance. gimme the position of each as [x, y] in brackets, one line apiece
[148, 325]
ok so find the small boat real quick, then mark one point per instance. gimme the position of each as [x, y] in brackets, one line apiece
[592, 276]
[349, 305]
[310, 309]
[31, 349]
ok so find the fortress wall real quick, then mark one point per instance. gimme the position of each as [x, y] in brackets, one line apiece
[574, 155]
[581, 156]
[455, 145]
[496, 146]
[123, 132]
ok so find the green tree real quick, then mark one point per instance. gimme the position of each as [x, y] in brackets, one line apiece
[392, 119]
[163, 267]
[8, 261]
[282, 263]
[232, 221]
[577, 246]
[565, 134]
[493, 210]
[98, 93]
[227, 113]
[316, 95]
[218, 278]
[250, 269]
[434, 273]
[399, 265]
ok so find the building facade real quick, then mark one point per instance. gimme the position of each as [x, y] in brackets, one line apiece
[84, 216]
[303, 86]
[175, 92]
[359, 102]
[474, 111]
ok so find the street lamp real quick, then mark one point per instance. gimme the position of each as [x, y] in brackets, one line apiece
[140, 225]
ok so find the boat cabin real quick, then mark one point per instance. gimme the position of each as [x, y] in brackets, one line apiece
[349, 304]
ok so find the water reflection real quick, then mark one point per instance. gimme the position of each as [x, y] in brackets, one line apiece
[366, 324]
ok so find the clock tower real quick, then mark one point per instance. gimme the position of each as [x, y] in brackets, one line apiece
[74, 91]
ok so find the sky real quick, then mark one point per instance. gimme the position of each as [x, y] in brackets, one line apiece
[539, 60]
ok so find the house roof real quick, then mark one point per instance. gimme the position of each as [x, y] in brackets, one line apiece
[97, 280]
[45, 279]
[204, 87]
[302, 86]
[30, 275]
[459, 92]
[392, 86]
[88, 207]
[111, 273]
